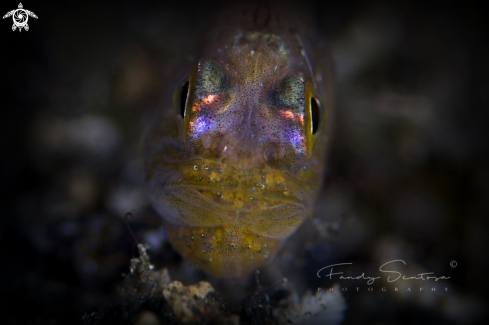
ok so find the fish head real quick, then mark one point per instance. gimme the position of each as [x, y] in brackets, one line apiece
[243, 168]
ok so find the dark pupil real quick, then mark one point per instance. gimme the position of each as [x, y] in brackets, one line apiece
[314, 114]
[183, 98]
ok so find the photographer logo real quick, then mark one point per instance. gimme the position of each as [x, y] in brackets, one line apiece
[20, 17]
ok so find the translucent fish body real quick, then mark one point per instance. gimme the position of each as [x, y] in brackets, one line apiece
[235, 164]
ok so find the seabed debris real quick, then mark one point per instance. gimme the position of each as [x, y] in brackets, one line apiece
[150, 297]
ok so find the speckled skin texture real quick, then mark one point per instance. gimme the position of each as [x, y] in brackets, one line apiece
[236, 169]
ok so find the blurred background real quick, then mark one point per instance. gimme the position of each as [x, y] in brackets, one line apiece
[407, 175]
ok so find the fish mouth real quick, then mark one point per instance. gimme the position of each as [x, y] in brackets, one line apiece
[266, 201]
[202, 207]
[227, 220]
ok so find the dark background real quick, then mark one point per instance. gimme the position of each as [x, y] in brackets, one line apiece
[407, 175]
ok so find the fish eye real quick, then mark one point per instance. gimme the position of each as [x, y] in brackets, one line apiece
[315, 114]
[182, 97]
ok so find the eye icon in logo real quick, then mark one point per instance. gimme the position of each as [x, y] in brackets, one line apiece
[20, 17]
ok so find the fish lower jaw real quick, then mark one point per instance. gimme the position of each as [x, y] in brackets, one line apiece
[225, 251]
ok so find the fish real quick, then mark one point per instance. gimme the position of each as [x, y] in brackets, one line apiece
[235, 160]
